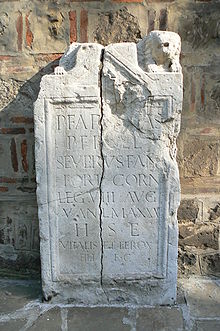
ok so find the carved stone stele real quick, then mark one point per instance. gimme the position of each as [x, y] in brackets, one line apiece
[108, 190]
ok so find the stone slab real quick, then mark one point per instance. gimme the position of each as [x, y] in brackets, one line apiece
[67, 114]
[50, 320]
[160, 319]
[106, 125]
[16, 294]
[93, 319]
[141, 117]
[208, 325]
[202, 296]
[12, 325]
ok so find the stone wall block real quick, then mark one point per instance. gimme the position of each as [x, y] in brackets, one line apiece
[199, 157]
[210, 263]
[199, 235]
[116, 27]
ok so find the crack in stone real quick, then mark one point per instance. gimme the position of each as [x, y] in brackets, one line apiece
[102, 158]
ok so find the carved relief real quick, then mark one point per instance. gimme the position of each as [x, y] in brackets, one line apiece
[160, 51]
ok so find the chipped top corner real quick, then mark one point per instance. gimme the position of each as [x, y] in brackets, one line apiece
[159, 52]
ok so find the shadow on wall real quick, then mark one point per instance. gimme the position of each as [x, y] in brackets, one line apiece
[19, 231]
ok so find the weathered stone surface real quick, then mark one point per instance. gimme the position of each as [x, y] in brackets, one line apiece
[198, 158]
[160, 51]
[215, 213]
[140, 111]
[8, 90]
[199, 235]
[188, 210]
[188, 261]
[210, 263]
[108, 184]
[115, 27]
[70, 137]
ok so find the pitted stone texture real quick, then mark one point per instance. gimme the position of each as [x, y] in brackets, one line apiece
[50, 320]
[160, 51]
[108, 183]
[68, 167]
[140, 186]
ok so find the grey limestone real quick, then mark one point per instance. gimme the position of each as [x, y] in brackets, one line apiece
[106, 124]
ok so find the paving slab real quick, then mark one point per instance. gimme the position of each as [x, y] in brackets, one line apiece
[12, 325]
[16, 294]
[21, 310]
[159, 319]
[202, 296]
[49, 321]
[98, 319]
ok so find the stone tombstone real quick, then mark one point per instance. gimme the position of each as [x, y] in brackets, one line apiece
[106, 124]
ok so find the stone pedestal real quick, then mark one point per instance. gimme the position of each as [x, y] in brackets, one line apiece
[108, 186]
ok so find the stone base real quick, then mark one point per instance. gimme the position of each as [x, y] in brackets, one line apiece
[120, 293]
[197, 309]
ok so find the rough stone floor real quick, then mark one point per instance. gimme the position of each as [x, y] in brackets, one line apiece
[197, 309]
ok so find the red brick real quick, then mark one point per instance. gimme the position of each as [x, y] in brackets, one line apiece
[3, 189]
[14, 159]
[22, 119]
[127, 0]
[6, 57]
[206, 131]
[161, 1]
[73, 28]
[7, 180]
[12, 130]
[19, 28]
[163, 20]
[86, 0]
[83, 26]
[48, 57]
[203, 92]
[24, 155]
[29, 34]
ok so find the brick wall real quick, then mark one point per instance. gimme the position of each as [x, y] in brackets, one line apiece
[33, 36]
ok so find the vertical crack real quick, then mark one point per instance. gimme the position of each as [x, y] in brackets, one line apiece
[102, 158]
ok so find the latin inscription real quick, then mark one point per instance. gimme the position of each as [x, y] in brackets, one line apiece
[78, 175]
[129, 210]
